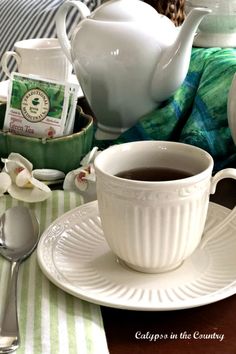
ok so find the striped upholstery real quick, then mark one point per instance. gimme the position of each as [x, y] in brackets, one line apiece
[23, 19]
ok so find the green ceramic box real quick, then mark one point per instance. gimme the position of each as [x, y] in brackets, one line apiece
[62, 153]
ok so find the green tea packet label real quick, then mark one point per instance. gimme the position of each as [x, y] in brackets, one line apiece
[37, 107]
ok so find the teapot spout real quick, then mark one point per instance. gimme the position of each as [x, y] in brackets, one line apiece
[172, 68]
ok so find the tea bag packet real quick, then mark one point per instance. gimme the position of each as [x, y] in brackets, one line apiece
[38, 107]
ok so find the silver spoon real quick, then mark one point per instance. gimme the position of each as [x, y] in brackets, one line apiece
[19, 232]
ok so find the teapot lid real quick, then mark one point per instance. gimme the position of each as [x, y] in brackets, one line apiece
[124, 10]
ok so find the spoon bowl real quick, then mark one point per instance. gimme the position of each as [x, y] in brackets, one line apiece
[19, 233]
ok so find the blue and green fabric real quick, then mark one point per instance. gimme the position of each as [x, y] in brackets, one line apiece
[197, 113]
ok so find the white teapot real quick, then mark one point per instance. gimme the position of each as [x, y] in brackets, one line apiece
[128, 58]
[231, 109]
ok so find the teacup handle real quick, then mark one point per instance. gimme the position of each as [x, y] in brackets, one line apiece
[61, 23]
[5, 60]
[226, 173]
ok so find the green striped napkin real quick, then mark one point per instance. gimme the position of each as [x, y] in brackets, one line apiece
[50, 320]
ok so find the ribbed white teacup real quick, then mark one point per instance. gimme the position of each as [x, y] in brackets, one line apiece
[153, 226]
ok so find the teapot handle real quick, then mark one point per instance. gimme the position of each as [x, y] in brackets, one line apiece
[61, 23]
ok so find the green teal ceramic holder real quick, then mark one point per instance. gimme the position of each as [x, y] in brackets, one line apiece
[62, 153]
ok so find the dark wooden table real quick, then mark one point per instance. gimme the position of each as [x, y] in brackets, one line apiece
[123, 326]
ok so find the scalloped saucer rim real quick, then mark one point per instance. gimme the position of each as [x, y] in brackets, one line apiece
[74, 255]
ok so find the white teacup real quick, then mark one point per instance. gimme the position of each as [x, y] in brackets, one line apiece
[39, 56]
[153, 226]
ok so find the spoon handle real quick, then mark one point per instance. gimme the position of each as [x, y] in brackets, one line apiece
[9, 330]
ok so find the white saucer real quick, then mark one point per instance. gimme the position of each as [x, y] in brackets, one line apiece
[74, 255]
[222, 40]
[4, 90]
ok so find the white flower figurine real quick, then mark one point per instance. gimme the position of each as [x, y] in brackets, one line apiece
[20, 183]
[83, 179]
[5, 182]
